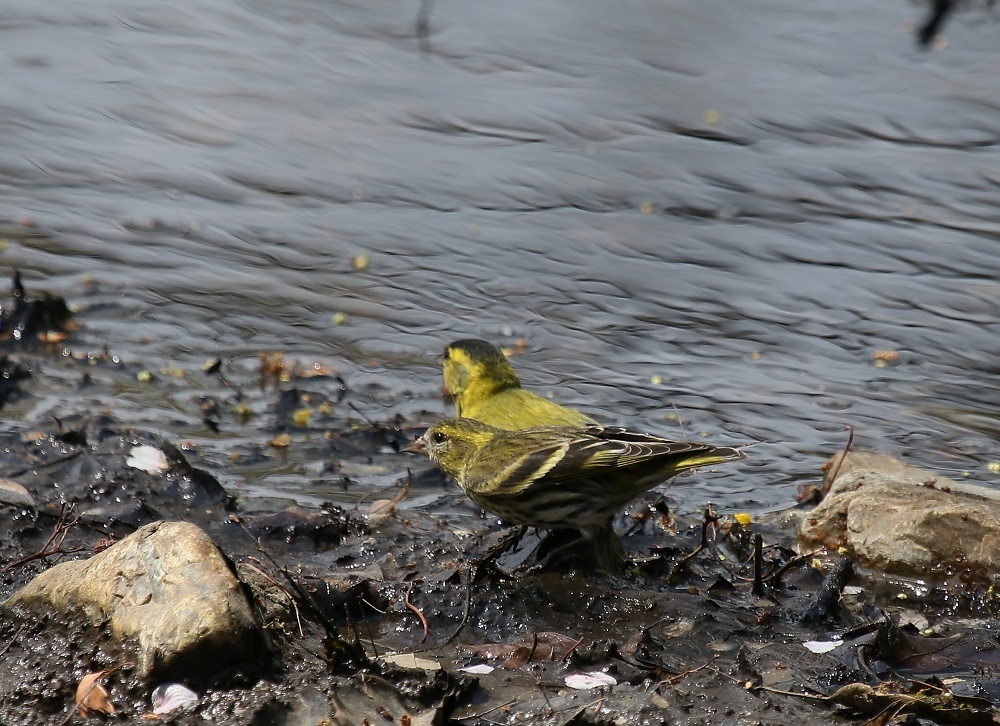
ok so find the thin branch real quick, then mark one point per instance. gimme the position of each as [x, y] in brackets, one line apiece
[12, 641]
[758, 565]
[709, 518]
[414, 608]
[53, 545]
[840, 462]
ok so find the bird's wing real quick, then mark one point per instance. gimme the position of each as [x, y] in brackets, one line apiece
[559, 456]
[626, 448]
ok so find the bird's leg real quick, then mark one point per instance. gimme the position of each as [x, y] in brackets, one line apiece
[563, 552]
[508, 542]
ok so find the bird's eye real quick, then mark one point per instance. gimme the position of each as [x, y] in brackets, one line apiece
[439, 438]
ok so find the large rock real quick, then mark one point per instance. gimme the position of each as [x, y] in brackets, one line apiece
[169, 586]
[905, 520]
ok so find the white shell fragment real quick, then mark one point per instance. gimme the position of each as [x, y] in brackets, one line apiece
[148, 459]
[822, 646]
[478, 670]
[168, 697]
[588, 681]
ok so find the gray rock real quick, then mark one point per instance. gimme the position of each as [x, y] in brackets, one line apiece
[904, 520]
[167, 585]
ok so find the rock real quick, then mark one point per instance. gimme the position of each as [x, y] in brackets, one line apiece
[904, 520]
[167, 585]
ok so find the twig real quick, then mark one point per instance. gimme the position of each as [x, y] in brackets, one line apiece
[53, 545]
[680, 421]
[291, 598]
[391, 504]
[306, 597]
[541, 689]
[371, 636]
[840, 462]
[414, 608]
[350, 404]
[380, 612]
[828, 596]
[709, 518]
[758, 565]
[216, 368]
[483, 713]
[571, 649]
[46, 465]
[768, 689]
[12, 641]
[462, 623]
[774, 577]
[466, 614]
[674, 680]
[600, 702]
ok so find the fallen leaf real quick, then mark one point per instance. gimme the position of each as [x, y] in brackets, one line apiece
[13, 493]
[383, 509]
[281, 441]
[888, 356]
[410, 660]
[92, 698]
[544, 646]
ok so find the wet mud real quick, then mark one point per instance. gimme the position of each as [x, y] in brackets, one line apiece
[391, 613]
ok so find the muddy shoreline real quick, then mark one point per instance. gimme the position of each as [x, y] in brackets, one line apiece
[384, 611]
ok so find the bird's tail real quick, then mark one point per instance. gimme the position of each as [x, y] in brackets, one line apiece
[709, 456]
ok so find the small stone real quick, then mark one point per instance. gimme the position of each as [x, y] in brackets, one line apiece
[168, 586]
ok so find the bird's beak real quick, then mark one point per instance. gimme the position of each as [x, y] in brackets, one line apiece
[417, 447]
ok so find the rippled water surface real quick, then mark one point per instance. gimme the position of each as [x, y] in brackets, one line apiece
[727, 208]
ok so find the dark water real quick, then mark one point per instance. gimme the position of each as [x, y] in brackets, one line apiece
[723, 207]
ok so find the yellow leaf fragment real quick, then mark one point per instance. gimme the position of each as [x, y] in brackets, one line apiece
[281, 441]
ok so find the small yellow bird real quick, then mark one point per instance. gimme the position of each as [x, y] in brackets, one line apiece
[561, 477]
[485, 388]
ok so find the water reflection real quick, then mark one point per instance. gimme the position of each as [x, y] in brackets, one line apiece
[740, 203]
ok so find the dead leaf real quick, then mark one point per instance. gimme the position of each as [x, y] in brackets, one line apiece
[281, 441]
[382, 509]
[545, 646]
[411, 660]
[92, 698]
[13, 493]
